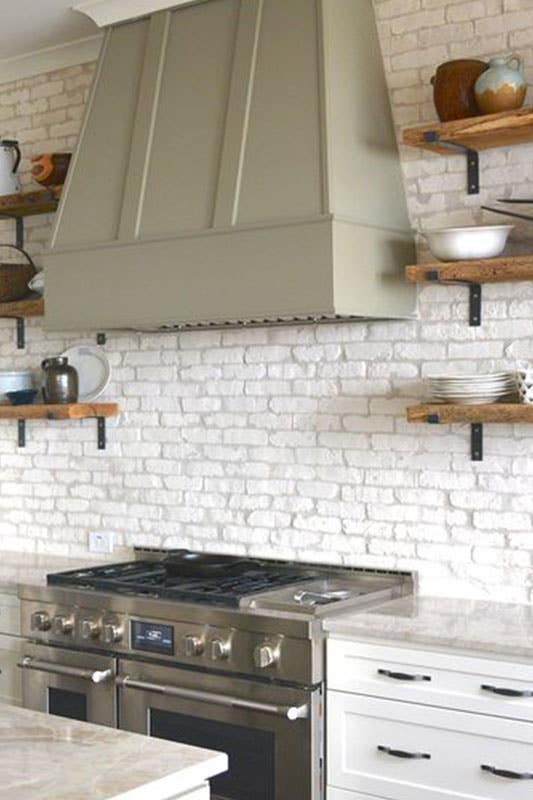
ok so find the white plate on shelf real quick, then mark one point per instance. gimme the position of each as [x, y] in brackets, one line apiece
[93, 368]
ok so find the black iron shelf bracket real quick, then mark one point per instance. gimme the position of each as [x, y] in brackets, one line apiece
[475, 295]
[21, 432]
[472, 159]
[100, 429]
[21, 333]
[476, 436]
[101, 433]
[19, 239]
[101, 338]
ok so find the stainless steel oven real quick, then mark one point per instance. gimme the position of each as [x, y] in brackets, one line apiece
[271, 733]
[69, 683]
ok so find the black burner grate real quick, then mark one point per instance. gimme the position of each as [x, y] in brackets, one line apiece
[151, 578]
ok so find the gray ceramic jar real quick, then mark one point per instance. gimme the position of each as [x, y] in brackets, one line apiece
[502, 87]
[60, 381]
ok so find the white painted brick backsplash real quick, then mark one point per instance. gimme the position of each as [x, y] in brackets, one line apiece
[292, 442]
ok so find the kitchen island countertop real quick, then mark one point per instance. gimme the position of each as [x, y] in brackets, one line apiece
[499, 629]
[43, 757]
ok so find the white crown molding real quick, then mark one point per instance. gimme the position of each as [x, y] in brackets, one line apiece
[109, 12]
[79, 51]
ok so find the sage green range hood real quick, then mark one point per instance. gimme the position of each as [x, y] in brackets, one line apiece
[237, 165]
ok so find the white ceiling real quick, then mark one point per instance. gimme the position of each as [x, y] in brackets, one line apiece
[30, 25]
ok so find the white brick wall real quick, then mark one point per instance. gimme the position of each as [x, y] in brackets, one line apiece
[292, 442]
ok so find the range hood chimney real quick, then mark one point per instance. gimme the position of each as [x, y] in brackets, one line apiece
[237, 164]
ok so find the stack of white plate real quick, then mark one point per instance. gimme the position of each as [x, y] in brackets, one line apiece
[472, 389]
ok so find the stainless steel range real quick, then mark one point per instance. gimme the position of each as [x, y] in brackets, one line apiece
[217, 651]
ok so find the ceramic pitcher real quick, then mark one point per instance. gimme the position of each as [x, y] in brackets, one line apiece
[502, 87]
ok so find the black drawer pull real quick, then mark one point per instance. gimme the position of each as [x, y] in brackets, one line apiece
[402, 676]
[507, 692]
[390, 751]
[507, 773]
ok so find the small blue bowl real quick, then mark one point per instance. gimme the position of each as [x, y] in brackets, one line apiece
[24, 397]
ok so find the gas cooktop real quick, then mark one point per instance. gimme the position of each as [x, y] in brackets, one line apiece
[207, 580]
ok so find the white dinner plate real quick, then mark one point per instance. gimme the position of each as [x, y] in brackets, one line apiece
[458, 377]
[93, 368]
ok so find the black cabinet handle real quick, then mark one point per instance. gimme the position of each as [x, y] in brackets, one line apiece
[390, 751]
[402, 676]
[507, 773]
[507, 692]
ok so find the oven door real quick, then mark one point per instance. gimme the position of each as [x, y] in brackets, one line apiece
[69, 684]
[272, 734]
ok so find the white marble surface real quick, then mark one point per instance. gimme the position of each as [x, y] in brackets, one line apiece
[501, 629]
[18, 568]
[51, 758]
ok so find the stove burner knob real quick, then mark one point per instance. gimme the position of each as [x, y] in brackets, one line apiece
[220, 649]
[40, 621]
[265, 655]
[194, 645]
[111, 633]
[90, 629]
[62, 625]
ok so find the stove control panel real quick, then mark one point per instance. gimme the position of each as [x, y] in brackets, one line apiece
[224, 648]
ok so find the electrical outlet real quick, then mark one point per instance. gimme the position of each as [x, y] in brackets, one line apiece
[101, 542]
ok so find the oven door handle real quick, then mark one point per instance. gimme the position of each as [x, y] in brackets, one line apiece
[289, 712]
[95, 676]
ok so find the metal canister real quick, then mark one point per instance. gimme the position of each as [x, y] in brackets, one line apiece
[60, 381]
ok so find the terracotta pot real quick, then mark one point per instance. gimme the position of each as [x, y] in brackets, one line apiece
[453, 88]
[50, 169]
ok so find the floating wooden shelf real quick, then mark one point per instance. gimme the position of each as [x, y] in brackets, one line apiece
[485, 412]
[31, 306]
[476, 133]
[60, 411]
[26, 204]
[470, 135]
[475, 415]
[98, 411]
[505, 269]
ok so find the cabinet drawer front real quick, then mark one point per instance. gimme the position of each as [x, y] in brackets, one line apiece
[339, 794]
[9, 614]
[404, 752]
[10, 674]
[441, 679]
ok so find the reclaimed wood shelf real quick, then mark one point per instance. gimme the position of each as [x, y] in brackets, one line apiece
[16, 207]
[484, 412]
[505, 269]
[435, 413]
[31, 306]
[27, 204]
[63, 411]
[470, 135]
[478, 133]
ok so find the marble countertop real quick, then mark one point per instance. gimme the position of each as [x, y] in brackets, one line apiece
[33, 568]
[502, 629]
[43, 757]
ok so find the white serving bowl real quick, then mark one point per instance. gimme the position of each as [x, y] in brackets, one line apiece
[463, 244]
[14, 382]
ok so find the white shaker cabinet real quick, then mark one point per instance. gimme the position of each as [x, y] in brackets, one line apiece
[410, 724]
